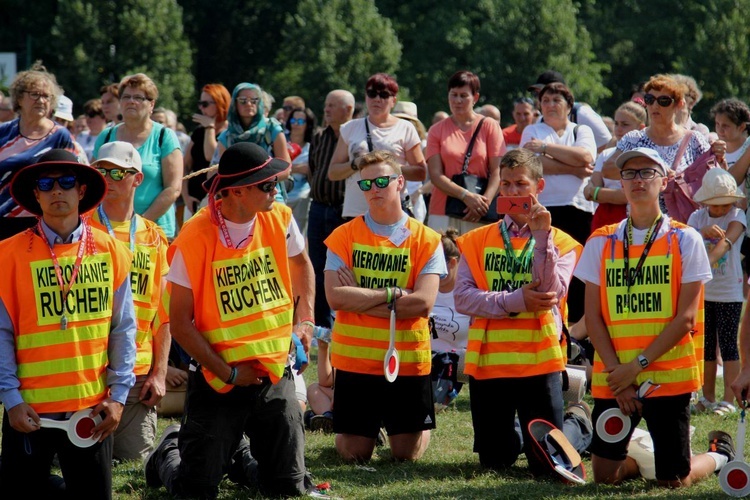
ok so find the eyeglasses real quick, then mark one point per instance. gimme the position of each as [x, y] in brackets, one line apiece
[269, 186]
[383, 94]
[246, 100]
[297, 121]
[93, 114]
[381, 182]
[664, 101]
[205, 104]
[140, 99]
[117, 174]
[35, 96]
[645, 173]
[48, 183]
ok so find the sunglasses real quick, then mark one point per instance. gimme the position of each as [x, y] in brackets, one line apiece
[35, 96]
[246, 100]
[297, 121]
[383, 94]
[646, 174]
[48, 183]
[381, 182]
[93, 114]
[664, 101]
[117, 174]
[205, 104]
[268, 186]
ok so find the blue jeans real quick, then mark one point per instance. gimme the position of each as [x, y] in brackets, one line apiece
[321, 222]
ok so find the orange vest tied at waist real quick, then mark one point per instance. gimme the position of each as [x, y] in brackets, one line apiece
[61, 370]
[522, 346]
[635, 317]
[243, 297]
[147, 268]
[359, 341]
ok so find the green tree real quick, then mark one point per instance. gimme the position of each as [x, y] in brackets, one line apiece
[109, 40]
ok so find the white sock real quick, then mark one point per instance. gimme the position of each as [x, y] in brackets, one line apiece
[720, 459]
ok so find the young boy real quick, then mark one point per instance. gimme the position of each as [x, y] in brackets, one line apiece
[644, 313]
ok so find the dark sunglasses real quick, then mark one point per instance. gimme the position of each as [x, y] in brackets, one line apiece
[204, 104]
[269, 186]
[48, 183]
[248, 100]
[297, 121]
[117, 174]
[383, 94]
[381, 182]
[664, 101]
[93, 114]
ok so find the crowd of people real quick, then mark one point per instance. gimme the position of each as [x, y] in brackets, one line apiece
[536, 259]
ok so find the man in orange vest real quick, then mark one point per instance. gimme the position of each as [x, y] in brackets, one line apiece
[120, 164]
[382, 259]
[644, 314]
[513, 278]
[67, 331]
[238, 270]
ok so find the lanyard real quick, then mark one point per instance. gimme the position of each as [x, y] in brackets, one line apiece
[133, 224]
[58, 270]
[225, 231]
[525, 257]
[626, 242]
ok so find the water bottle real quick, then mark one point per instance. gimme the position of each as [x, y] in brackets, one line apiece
[322, 334]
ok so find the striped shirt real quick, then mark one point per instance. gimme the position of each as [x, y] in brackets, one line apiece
[322, 189]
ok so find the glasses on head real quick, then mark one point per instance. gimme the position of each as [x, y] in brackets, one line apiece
[664, 101]
[268, 186]
[35, 96]
[297, 121]
[65, 182]
[140, 99]
[382, 182]
[248, 100]
[383, 94]
[645, 173]
[117, 174]
[205, 104]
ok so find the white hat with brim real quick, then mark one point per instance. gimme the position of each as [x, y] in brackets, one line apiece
[642, 153]
[119, 153]
[64, 108]
[718, 188]
[405, 109]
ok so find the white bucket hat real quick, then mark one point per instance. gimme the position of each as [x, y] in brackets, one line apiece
[64, 108]
[718, 188]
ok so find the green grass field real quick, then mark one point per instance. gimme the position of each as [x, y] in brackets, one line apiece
[449, 469]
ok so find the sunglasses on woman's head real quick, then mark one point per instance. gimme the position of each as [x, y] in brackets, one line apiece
[664, 101]
[383, 94]
[382, 182]
[204, 104]
[65, 182]
[117, 174]
[297, 121]
[246, 100]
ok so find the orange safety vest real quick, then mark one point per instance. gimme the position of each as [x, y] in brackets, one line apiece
[635, 318]
[147, 268]
[521, 346]
[243, 297]
[359, 341]
[61, 370]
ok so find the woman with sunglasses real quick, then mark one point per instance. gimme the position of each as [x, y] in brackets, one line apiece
[300, 127]
[158, 146]
[380, 130]
[33, 95]
[95, 121]
[212, 120]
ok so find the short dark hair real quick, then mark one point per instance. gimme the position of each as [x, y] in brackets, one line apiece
[558, 89]
[112, 88]
[464, 78]
[734, 109]
[309, 125]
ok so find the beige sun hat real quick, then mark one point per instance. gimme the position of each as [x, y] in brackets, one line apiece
[718, 188]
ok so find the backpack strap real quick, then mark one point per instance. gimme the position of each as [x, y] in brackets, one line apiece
[681, 151]
[161, 136]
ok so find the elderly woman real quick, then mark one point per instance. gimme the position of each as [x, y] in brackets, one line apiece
[158, 146]
[34, 95]
[380, 130]
[447, 145]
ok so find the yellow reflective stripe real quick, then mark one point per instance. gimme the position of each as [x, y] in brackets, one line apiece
[677, 352]
[144, 313]
[379, 335]
[64, 393]
[74, 333]
[257, 327]
[518, 358]
[375, 354]
[255, 349]
[529, 336]
[59, 366]
[663, 377]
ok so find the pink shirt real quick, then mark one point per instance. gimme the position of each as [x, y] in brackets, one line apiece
[448, 141]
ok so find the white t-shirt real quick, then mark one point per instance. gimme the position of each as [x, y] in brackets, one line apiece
[695, 265]
[563, 190]
[726, 285]
[733, 157]
[587, 116]
[452, 327]
[396, 139]
[604, 156]
[242, 233]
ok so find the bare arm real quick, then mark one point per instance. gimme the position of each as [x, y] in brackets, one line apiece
[609, 169]
[733, 233]
[171, 175]
[416, 168]
[325, 370]
[741, 384]
[341, 166]
[303, 286]
[739, 169]
[479, 204]
[553, 166]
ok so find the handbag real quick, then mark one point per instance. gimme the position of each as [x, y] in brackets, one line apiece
[678, 196]
[472, 183]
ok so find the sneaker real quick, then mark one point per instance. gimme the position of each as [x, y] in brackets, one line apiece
[581, 409]
[382, 437]
[323, 423]
[721, 442]
[150, 468]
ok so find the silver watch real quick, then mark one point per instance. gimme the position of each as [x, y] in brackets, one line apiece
[643, 361]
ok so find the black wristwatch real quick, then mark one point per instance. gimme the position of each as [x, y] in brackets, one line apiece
[643, 361]
[354, 164]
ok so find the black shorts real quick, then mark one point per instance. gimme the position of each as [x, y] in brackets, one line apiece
[668, 420]
[362, 403]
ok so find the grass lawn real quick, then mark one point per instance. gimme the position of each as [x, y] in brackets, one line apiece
[449, 469]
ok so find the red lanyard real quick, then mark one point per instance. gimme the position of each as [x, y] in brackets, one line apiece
[225, 231]
[58, 269]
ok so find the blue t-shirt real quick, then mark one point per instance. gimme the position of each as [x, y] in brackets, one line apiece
[152, 154]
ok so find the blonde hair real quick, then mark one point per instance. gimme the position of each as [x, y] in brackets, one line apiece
[635, 110]
[523, 158]
[142, 82]
[375, 157]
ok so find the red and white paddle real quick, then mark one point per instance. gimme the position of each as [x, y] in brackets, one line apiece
[80, 427]
[613, 426]
[391, 362]
[734, 477]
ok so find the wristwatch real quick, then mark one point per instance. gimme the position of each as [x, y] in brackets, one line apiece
[643, 361]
